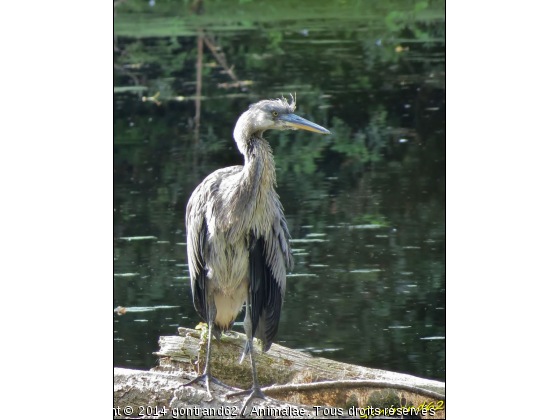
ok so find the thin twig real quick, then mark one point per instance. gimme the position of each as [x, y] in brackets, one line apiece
[316, 386]
[197, 7]
[129, 74]
[221, 59]
[152, 99]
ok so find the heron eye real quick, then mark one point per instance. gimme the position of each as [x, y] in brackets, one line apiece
[275, 113]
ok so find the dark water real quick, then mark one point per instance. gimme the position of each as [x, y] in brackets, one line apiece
[365, 206]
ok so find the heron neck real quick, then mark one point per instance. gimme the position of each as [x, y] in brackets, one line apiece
[259, 172]
[247, 200]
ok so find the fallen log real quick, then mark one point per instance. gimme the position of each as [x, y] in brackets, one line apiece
[301, 381]
[161, 395]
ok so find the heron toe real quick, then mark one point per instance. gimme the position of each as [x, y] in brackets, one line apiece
[207, 378]
[253, 393]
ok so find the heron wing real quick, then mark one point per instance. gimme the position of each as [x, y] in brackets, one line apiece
[270, 256]
[196, 246]
[206, 196]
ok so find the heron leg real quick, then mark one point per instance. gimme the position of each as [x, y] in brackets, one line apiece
[206, 375]
[255, 391]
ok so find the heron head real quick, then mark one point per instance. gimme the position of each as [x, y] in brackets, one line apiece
[278, 114]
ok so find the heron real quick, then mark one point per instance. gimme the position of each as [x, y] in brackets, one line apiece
[238, 247]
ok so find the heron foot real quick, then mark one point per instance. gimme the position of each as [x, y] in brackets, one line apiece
[207, 378]
[253, 393]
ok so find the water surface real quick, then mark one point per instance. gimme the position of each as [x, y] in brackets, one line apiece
[365, 206]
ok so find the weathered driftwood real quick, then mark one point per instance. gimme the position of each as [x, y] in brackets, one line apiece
[281, 365]
[161, 395]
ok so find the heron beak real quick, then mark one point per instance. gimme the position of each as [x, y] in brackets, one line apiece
[297, 122]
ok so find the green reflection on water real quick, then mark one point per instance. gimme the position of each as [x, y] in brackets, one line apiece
[353, 286]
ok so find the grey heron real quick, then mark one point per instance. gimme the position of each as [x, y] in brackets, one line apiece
[238, 246]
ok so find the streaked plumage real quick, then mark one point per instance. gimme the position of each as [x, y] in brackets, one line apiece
[237, 237]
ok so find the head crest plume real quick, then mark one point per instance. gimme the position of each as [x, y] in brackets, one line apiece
[268, 104]
[291, 107]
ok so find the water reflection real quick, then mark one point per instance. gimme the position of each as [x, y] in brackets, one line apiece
[365, 207]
